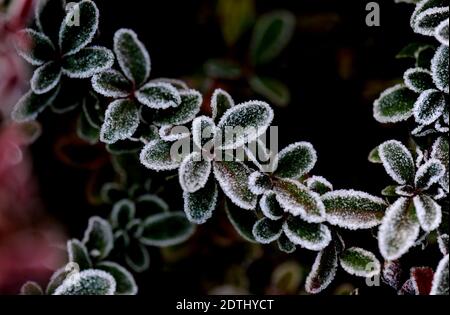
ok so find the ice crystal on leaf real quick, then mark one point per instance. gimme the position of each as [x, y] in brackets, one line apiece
[88, 282]
[242, 221]
[221, 101]
[98, 238]
[418, 79]
[443, 243]
[78, 253]
[194, 172]
[441, 32]
[125, 283]
[312, 236]
[156, 156]
[296, 160]
[429, 107]
[360, 262]
[440, 151]
[158, 95]
[319, 184]
[191, 101]
[266, 231]
[428, 212]
[439, 68]
[440, 280]
[397, 161]
[323, 270]
[199, 205]
[259, 183]
[270, 206]
[426, 22]
[121, 121]
[428, 174]
[394, 104]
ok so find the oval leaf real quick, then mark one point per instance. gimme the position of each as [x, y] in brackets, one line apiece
[397, 161]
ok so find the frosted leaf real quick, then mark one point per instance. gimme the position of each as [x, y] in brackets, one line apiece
[311, 236]
[257, 152]
[299, 200]
[31, 104]
[374, 156]
[394, 104]
[440, 280]
[270, 206]
[405, 191]
[73, 36]
[125, 283]
[87, 62]
[178, 84]
[166, 229]
[441, 32]
[122, 212]
[156, 156]
[258, 183]
[360, 262]
[271, 34]
[48, 15]
[392, 273]
[407, 288]
[233, 179]
[353, 210]
[397, 161]
[78, 254]
[443, 243]
[427, 21]
[242, 221]
[424, 5]
[191, 101]
[323, 270]
[98, 238]
[36, 48]
[274, 90]
[221, 101]
[57, 279]
[203, 130]
[418, 79]
[399, 229]
[296, 160]
[429, 107]
[121, 121]
[246, 122]
[428, 174]
[199, 205]
[31, 288]
[428, 212]
[173, 133]
[137, 257]
[88, 282]
[46, 77]
[194, 172]
[440, 151]
[111, 83]
[419, 156]
[266, 231]
[319, 184]
[439, 68]
[285, 245]
[158, 95]
[150, 203]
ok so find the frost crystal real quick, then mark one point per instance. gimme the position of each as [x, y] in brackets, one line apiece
[429, 107]
[440, 151]
[233, 179]
[46, 77]
[171, 133]
[319, 184]
[259, 183]
[443, 243]
[156, 156]
[266, 231]
[399, 229]
[242, 221]
[439, 68]
[418, 79]
[440, 281]
[353, 210]
[111, 83]
[194, 172]
[441, 32]
[199, 205]
[296, 160]
[428, 212]
[88, 282]
[298, 200]
[397, 161]
[427, 21]
[158, 95]
[191, 101]
[311, 236]
[31, 104]
[429, 173]
[394, 104]
[392, 273]
[98, 237]
[285, 245]
[360, 262]
[87, 62]
[78, 254]
[270, 206]
[122, 212]
[41, 47]
[323, 270]
[121, 121]
[221, 101]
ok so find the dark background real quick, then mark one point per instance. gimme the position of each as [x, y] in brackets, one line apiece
[335, 66]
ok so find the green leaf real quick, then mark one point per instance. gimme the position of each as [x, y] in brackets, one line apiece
[285, 245]
[440, 280]
[424, 5]
[199, 205]
[271, 34]
[259, 183]
[418, 79]
[235, 18]
[78, 254]
[323, 270]
[158, 95]
[424, 56]
[399, 229]
[274, 90]
[88, 282]
[87, 62]
[111, 83]
[75, 36]
[122, 213]
[394, 104]
[222, 69]
[296, 160]
[203, 131]
[132, 56]
[270, 206]
[429, 106]
[166, 229]
[441, 32]
[46, 77]
[426, 22]
[374, 156]
[137, 257]
[242, 221]
[98, 238]
[439, 68]
[233, 179]
[266, 231]
[311, 236]
[194, 172]
[31, 288]
[428, 212]
[360, 262]
[31, 104]
[121, 121]
[397, 161]
[36, 48]
[125, 283]
[429, 174]
[156, 155]
[243, 123]
[319, 184]
[191, 101]
[299, 200]
[353, 210]
[57, 279]
[440, 151]
[86, 131]
[221, 101]
[410, 50]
